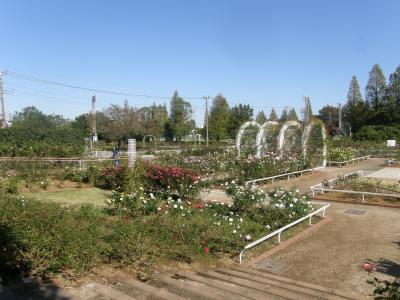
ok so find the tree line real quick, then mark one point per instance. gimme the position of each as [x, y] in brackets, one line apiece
[380, 105]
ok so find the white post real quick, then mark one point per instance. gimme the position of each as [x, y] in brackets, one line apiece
[131, 152]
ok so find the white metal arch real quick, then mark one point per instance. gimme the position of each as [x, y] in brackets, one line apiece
[281, 137]
[240, 134]
[305, 138]
[262, 134]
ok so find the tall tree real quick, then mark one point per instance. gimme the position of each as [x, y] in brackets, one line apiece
[293, 115]
[391, 109]
[261, 118]
[180, 119]
[284, 115]
[356, 111]
[123, 122]
[238, 115]
[31, 117]
[219, 118]
[273, 116]
[153, 119]
[330, 116]
[376, 88]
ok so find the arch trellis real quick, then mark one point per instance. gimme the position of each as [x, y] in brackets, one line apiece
[267, 133]
[265, 137]
[150, 138]
[282, 141]
[241, 132]
[306, 137]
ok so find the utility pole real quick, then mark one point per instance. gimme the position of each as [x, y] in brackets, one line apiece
[94, 130]
[340, 118]
[206, 118]
[3, 122]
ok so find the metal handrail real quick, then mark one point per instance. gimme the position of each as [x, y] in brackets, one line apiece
[283, 175]
[330, 162]
[280, 230]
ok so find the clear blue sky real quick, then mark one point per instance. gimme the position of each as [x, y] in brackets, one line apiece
[265, 53]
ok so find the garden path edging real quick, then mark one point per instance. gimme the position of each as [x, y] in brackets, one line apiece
[283, 245]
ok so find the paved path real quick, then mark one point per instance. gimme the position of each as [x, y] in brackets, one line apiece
[332, 256]
[303, 183]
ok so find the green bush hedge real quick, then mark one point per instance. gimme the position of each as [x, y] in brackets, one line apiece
[32, 142]
[378, 133]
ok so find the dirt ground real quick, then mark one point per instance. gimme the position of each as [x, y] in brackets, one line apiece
[332, 256]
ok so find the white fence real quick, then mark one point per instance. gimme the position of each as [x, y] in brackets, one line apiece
[272, 178]
[346, 162]
[321, 188]
[280, 230]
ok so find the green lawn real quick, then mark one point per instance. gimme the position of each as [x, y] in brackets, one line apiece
[93, 196]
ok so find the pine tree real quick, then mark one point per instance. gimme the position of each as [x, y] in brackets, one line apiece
[273, 116]
[356, 110]
[239, 114]
[293, 115]
[284, 115]
[376, 88]
[391, 109]
[219, 118]
[261, 118]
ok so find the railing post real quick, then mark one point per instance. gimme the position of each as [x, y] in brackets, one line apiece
[309, 222]
[363, 198]
[279, 236]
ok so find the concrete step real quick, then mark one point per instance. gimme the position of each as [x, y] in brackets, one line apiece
[228, 287]
[106, 292]
[194, 289]
[267, 289]
[328, 293]
[153, 291]
[299, 290]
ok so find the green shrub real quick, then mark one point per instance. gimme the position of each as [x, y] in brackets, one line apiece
[377, 133]
[340, 153]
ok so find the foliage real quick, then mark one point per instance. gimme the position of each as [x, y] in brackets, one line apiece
[45, 238]
[39, 142]
[219, 118]
[376, 88]
[384, 289]
[273, 116]
[48, 238]
[261, 118]
[239, 114]
[340, 153]
[293, 115]
[180, 118]
[378, 133]
[170, 181]
[330, 116]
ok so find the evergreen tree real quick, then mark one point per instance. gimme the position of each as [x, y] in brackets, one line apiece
[273, 116]
[356, 111]
[180, 119]
[284, 115]
[238, 115]
[261, 118]
[391, 109]
[219, 118]
[376, 88]
[293, 115]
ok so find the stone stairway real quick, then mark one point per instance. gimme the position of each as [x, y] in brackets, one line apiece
[223, 283]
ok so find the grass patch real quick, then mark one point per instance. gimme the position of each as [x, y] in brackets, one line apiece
[94, 196]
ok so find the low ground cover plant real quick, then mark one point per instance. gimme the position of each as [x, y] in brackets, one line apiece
[138, 228]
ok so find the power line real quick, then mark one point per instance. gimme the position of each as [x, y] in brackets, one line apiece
[56, 83]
